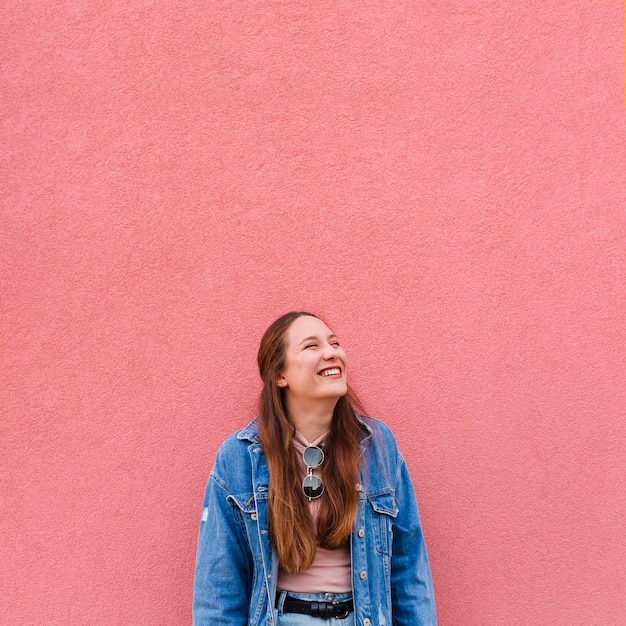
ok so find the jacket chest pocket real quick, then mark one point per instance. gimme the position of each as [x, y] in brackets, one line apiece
[383, 512]
[249, 516]
[252, 514]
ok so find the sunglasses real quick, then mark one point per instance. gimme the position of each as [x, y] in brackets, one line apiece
[312, 485]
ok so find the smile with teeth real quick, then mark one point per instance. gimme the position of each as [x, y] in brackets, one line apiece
[332, 371]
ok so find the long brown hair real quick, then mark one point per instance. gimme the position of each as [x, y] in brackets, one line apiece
[291, 528]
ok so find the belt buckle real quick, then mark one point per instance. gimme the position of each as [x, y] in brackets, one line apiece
[345, 614]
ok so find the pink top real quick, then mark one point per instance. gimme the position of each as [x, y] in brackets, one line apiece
[331, 569]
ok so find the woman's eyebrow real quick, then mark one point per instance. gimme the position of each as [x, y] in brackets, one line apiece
[314, 338]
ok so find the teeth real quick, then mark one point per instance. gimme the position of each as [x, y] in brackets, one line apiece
[331, 372]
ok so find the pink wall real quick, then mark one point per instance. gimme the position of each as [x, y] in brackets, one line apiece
[444, 181]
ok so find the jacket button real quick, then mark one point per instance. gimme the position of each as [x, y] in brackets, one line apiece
[363, 575]
[254, 516]
[361, 532]
[366, 621]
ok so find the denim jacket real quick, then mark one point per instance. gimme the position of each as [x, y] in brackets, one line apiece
[236, 568]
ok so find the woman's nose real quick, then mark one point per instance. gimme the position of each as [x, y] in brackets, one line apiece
[329, 352]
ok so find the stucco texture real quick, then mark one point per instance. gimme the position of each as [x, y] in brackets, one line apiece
[444, 182]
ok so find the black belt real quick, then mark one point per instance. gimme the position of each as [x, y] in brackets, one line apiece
[325, 610]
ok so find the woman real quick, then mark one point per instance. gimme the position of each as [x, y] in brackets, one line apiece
[309, 516]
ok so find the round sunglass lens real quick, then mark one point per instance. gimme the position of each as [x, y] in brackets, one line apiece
[313, 456]
[312, 486]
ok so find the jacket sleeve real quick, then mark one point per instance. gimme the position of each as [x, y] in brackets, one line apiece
[412, 595]
[223, 576]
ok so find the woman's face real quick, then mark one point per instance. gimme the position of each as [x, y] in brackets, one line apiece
[315, 365]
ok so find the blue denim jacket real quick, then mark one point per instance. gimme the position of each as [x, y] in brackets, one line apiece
[236, 568]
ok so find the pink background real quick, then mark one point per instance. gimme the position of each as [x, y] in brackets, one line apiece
[444, 182]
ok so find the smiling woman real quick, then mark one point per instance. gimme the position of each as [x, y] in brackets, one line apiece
[309, 516]
[314, 375]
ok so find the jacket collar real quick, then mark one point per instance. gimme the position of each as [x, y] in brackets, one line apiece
[251, 431]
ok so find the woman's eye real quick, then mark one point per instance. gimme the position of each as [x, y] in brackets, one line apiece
[335, 343]
[310, 345]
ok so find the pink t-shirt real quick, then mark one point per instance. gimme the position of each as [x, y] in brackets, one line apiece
[331, 570]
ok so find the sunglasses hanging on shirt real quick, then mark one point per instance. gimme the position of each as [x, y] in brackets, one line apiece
[312, 485]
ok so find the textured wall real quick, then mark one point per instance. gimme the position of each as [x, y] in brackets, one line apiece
[444, 182]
